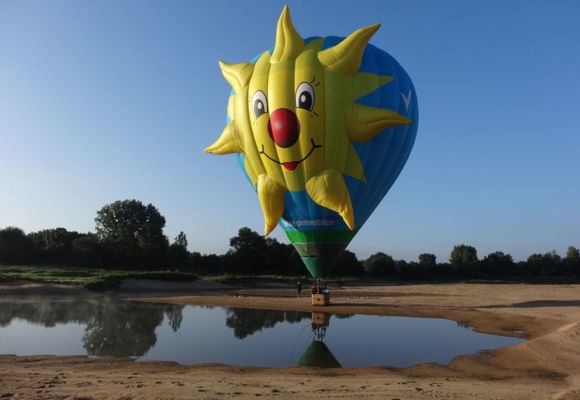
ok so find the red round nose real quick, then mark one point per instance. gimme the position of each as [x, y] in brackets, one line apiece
[283, 127]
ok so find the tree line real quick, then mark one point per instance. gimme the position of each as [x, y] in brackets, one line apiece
[129, 234]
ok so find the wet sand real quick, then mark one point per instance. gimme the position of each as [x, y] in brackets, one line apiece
[547, 366]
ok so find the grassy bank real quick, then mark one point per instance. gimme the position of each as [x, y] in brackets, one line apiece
[89, 277]
[93, 279]
[104, 279]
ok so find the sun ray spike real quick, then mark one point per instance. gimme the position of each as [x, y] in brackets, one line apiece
[237, 75]
[329, 190]
[367, 122]
[289, 43]
[346, 57]
[315, 44]
[353, 166]
[229, 142]
[365, 83]
[271, 196]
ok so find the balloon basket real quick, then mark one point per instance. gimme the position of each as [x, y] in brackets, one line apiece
[321, 299]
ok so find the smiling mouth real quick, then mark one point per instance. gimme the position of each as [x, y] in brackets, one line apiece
[291, 165]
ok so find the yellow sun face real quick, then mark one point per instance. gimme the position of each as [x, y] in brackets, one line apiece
[286, 108]
[294, 116]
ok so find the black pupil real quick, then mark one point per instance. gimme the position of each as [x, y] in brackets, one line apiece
[305, 100]
[258, 107]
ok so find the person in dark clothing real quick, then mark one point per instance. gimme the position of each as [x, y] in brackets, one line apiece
[299, 287]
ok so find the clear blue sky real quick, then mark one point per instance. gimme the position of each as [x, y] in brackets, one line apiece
[109, 100]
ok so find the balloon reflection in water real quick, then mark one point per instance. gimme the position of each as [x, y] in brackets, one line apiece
[317, 354]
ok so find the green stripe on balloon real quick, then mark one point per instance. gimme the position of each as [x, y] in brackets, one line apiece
[320, 236]
[319, 249]
[319, 266]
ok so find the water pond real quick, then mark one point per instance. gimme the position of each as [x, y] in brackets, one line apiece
[109, 326]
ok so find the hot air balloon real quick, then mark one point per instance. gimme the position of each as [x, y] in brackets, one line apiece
[322, 128]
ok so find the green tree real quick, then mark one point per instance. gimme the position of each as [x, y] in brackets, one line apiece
[573, 254]
[379, 264]
[247, 252]
[15, 246]
[464, 258]
[347, 265]
[535, 264]
[134, 232]
[275, 257]
[181, 241]
[87, 250]
[427, 260]
[572, 260]
[498, 263]
[209, 263]
[54, 245]
[248, 240]
[178, 254]
[544, 264]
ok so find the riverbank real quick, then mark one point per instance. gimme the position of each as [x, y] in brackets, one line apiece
[547, 366]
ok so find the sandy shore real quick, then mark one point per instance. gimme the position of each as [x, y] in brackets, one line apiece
[547, 366]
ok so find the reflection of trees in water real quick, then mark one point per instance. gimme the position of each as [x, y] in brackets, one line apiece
[246, 322]
[463, 325]
[124, 329]
[45, 313]
[113, 327]
[120, 328]
[342, 316]
[174, 315]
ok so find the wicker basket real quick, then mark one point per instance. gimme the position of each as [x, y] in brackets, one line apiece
[321, 299]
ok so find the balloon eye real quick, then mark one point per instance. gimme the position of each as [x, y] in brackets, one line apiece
[305, 96]
[259, 104]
